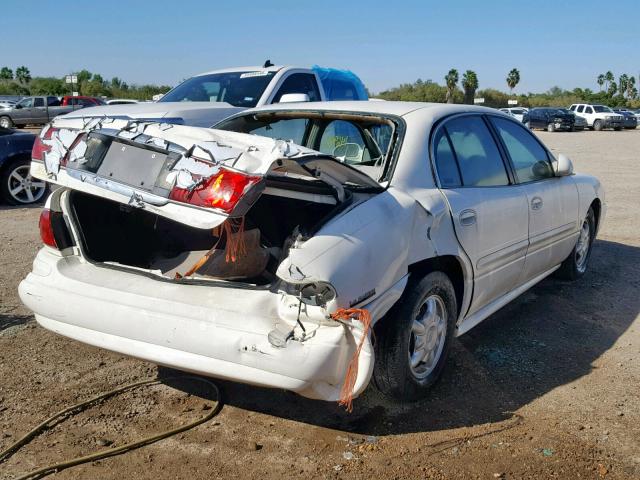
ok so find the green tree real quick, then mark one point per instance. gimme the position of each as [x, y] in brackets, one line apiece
[23, 75]
[608, 79]
[622, 84]
[469, 85]
[513, 79]
[451, 80]
[6, 73]
[116, 82]
[601, 80]
[83, 76]
[631, 88]
[47, 86]
[613, 88]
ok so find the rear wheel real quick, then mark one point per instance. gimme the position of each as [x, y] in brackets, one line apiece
[5, 122]
[17, 187]
[617, 129]
[413, 340]
[575, 265]
[597, 125]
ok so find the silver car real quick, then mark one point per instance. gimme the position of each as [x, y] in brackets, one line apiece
[266, 250]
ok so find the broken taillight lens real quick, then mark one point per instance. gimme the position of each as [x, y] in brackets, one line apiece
[222, 190]
[46, 230]
[39, 147]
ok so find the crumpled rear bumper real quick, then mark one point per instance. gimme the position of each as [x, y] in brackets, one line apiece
[211, 330]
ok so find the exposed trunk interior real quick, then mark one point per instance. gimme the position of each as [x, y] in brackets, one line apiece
[119, 234]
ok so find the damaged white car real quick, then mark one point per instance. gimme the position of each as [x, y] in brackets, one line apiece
[268, 249]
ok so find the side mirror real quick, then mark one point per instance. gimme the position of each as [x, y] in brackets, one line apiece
[563, 166]
[294, 97]
[17, 106]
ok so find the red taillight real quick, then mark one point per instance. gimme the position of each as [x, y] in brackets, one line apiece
[222, 190]
[46, 231]
[39, 148]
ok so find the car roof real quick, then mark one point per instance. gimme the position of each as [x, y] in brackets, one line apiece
[273, 68]
[377, 107]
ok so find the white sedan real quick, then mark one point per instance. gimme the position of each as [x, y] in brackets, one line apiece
[266, 250]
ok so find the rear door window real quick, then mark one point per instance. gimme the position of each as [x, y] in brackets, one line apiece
[478, 157]
[446, 165]
[529, 158]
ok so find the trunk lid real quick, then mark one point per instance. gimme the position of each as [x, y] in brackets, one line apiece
[193, 175]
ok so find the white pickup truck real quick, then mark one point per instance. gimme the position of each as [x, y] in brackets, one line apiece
[207, 98]
[598, 116]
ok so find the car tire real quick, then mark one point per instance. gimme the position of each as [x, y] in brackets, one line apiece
[597, 125]
[5, 122]
[617, 129]
[551, 128]
[16, 174]
[528, 125]
[403, 370]
[575, 265]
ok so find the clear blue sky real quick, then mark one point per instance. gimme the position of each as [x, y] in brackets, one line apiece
[385, 43]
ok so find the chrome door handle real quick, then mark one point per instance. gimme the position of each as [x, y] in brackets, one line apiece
[536, 203]
[467, 217]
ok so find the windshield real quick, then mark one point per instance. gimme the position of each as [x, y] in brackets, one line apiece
[240, 89]
[364, 143]
[564, 110]
[602, 108]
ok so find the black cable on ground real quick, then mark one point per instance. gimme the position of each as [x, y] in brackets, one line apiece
[79, 407]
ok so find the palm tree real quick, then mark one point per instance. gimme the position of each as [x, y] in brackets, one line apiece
[23, 75]
[6, 73]
[608, 79]
[601, 80]
[513, 79]
[631, 87]
[451, 79]
[622, 84]
[469, 85]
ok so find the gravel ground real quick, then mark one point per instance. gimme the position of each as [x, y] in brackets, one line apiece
[548, 387]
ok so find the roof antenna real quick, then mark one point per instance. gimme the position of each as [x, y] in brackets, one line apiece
[267, 64]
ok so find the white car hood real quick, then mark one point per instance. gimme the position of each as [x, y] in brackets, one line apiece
[199, 114]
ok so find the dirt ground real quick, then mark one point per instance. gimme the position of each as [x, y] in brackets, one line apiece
[548, 387]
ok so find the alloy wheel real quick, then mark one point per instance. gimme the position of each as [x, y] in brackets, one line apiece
[23, 188]
[427, 339]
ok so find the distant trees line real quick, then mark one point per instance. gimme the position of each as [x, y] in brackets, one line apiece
[456, 89]
[91, 84]
[624, 92]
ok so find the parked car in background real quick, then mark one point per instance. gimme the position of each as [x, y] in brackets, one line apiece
[121, 101]
[579, 124]
[519, 113]
[462, 208]
[551, 119]
[630, 121]
[7, 103]
[598, 117]
[207, 98]
[36, 110]
[81, 102]
[17, 187]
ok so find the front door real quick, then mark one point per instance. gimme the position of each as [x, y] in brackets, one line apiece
[552, 201]
[489, 213]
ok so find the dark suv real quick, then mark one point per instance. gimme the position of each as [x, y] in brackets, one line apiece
[551, 119]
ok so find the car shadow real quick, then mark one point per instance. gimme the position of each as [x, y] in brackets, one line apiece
[8, 320]
[548, 337]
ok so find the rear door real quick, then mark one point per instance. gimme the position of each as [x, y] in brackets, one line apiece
[552, 201]
[489, 212]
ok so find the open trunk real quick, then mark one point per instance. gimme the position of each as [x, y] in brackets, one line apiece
[117, 234]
